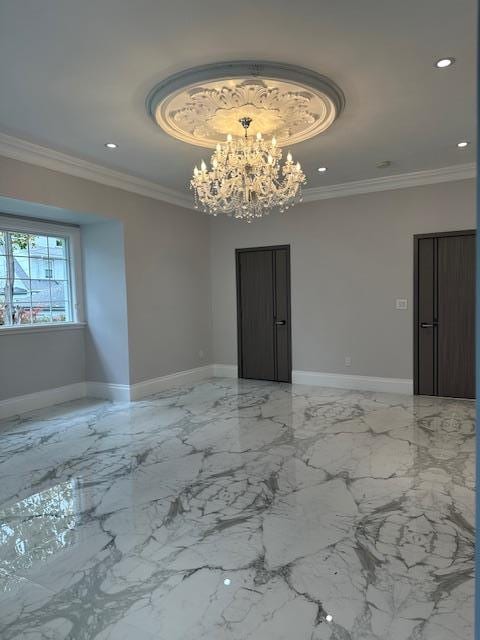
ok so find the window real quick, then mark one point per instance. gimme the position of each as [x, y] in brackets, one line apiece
[48, 266]
[37, 275]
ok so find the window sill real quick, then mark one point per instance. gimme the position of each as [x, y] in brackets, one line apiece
[41, 328]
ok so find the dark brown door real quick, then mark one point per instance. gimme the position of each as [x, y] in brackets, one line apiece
[444, 328]
[263, 313]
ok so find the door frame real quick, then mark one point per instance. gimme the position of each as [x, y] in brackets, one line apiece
[416, 238]
[238, 252]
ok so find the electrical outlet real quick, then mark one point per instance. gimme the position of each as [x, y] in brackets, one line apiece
[348, 361]
[401, 303]
[201, 353]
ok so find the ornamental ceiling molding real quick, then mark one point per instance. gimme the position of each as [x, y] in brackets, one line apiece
[202, 105]
[408, 180]
[24, 151]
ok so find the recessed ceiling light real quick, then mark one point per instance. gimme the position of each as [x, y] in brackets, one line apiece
[227, 582]
[463, 144]
[322, 169]
[111, 145]
[329, 617]
[444, 62]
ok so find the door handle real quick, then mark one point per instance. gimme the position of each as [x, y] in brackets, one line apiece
[280, 322]
[428, 325]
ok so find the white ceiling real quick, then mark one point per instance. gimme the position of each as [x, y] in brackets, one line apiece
[74, 74]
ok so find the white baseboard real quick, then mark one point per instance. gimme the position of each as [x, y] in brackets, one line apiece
[139, 390]
[126, 393]
[354, 382]
[155, 385]
[108, 391]
[335, 380]
[225, 371]
[104, 390]
[33, 401]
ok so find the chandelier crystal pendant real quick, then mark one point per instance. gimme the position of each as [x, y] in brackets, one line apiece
[246, 179]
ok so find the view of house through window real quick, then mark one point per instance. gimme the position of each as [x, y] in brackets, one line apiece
[35, 285]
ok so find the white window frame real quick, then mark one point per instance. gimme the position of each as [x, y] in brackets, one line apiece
[12, 223]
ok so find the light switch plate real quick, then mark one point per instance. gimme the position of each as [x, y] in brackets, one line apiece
[401, 303]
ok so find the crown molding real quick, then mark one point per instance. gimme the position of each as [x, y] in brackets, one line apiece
[387, 183]
[19, 149]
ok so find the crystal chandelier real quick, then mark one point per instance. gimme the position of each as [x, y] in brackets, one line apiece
[246, 179]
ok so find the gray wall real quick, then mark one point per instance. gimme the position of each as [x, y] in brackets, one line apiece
[167, 264]
[169, 305]
[351, 258]
[106, 334]
[23, 357]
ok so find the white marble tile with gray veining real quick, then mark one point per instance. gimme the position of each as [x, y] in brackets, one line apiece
[239, 510]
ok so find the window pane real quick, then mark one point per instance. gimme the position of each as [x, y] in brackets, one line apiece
[57, 247]
[2, 242]
[21, 268]
[61, 311]
[39, 268]
[41, 292]
[2, 303]
[23, 312]
[41, 297]
[3, 267]
[22, 302]
[59, 290]
[58, 269]
[21, 292]
[41, 301]
[41, 313]
[19, 312]
[61, 299]
[19, 243]
[38, 246]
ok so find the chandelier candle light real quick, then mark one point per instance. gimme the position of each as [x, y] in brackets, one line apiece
[246, 179]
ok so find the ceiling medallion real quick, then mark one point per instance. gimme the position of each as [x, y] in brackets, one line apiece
[207, 105]
[202, 105]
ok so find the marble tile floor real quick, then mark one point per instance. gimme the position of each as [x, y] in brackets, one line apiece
[239, 510]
